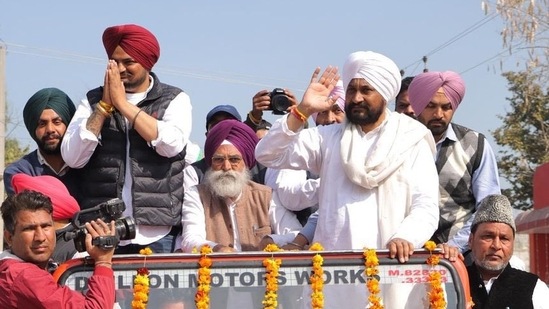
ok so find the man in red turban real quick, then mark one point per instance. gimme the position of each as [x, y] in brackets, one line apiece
[135, 40]
[131, 133]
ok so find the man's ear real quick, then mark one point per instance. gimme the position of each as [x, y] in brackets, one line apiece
[8, 237]
[470, 241]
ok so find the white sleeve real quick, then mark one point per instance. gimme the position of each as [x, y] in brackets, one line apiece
[540, 296]
[78, 142]
[283, 148]
[193, 222]
[284, 223]
[174, 129]
[190, 178]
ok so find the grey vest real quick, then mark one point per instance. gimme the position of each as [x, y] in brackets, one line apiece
[456, 162]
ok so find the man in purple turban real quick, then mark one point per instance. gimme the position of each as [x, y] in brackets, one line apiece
[132, 133]
[466, 163]
[227, 210]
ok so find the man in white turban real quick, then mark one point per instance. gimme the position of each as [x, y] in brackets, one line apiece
[382, 191]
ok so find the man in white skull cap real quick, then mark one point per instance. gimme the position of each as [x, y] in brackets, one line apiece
[382, 184]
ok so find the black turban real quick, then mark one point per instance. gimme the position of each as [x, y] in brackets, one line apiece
[135, 40]
[236, 132]
[47, 98]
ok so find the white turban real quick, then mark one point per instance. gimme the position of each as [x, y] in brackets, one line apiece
[379, 71]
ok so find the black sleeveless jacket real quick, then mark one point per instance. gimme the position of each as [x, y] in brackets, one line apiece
[157, 184]
[512, 289]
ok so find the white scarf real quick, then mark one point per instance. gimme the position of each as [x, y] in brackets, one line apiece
[397, 138]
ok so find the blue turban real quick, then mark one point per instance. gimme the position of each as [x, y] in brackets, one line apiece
[236, 132]
[47, 98]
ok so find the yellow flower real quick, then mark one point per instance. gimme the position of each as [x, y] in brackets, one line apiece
[141, 283]
[371, 262]
[272, 248]
[316, 247]
[202, 295]
[436, 293]
[317, 278]
[146, 251]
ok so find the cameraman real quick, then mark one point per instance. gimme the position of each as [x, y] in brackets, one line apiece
[262, 102]
[24, 280]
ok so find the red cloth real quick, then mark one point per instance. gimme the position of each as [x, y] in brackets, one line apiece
[25, 285]
[64, 205]
[136, 41]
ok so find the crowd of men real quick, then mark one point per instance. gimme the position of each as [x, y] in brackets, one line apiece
[396, 179]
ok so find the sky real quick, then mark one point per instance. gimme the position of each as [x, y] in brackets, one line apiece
[223, 52]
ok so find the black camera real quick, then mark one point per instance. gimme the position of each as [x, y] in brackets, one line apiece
[279, 101]
[107, 211]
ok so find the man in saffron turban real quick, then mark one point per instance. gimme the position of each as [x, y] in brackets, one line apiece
[128, 137]
[466, 163]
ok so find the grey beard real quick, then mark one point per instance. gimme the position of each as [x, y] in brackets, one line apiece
[487, 266]
[226, 184]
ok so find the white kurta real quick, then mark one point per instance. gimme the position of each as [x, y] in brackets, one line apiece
[351, 216]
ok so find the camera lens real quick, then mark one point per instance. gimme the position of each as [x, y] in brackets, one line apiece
[125, 228]
[279, 101]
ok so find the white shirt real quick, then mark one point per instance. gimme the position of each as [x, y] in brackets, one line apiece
[174, 130]
[348, 213]
[283, 223]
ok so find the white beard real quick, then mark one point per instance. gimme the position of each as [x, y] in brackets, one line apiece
[226, 184]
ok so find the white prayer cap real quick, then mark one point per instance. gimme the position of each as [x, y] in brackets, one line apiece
[378, 70]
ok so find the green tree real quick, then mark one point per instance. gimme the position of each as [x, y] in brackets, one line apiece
[524, 136]
[13, 151]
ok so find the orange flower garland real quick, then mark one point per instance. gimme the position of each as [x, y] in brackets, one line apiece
[436, 294]
[271, 278]
[372, 283]
[141, 283]
[202, 296]
[317, 279]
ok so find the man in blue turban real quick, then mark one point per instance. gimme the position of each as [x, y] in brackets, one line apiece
[46, 115]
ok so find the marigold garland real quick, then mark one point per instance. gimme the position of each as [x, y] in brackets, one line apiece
[436, 293]
[202, 296]
[141, 283]
[372, 283]
[272, 265]
[317, 279]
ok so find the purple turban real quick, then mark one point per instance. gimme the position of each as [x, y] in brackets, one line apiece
[236, 132]
[425, 85]
[135, 40]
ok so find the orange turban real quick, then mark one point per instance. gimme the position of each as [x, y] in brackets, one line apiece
[64, 205]
[135, 40]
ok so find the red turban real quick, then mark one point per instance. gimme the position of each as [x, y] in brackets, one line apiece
[424, 86]
[135, 40]
[236, 132]
[64, 205]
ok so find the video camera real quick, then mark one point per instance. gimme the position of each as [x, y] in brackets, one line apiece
[107, 211]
